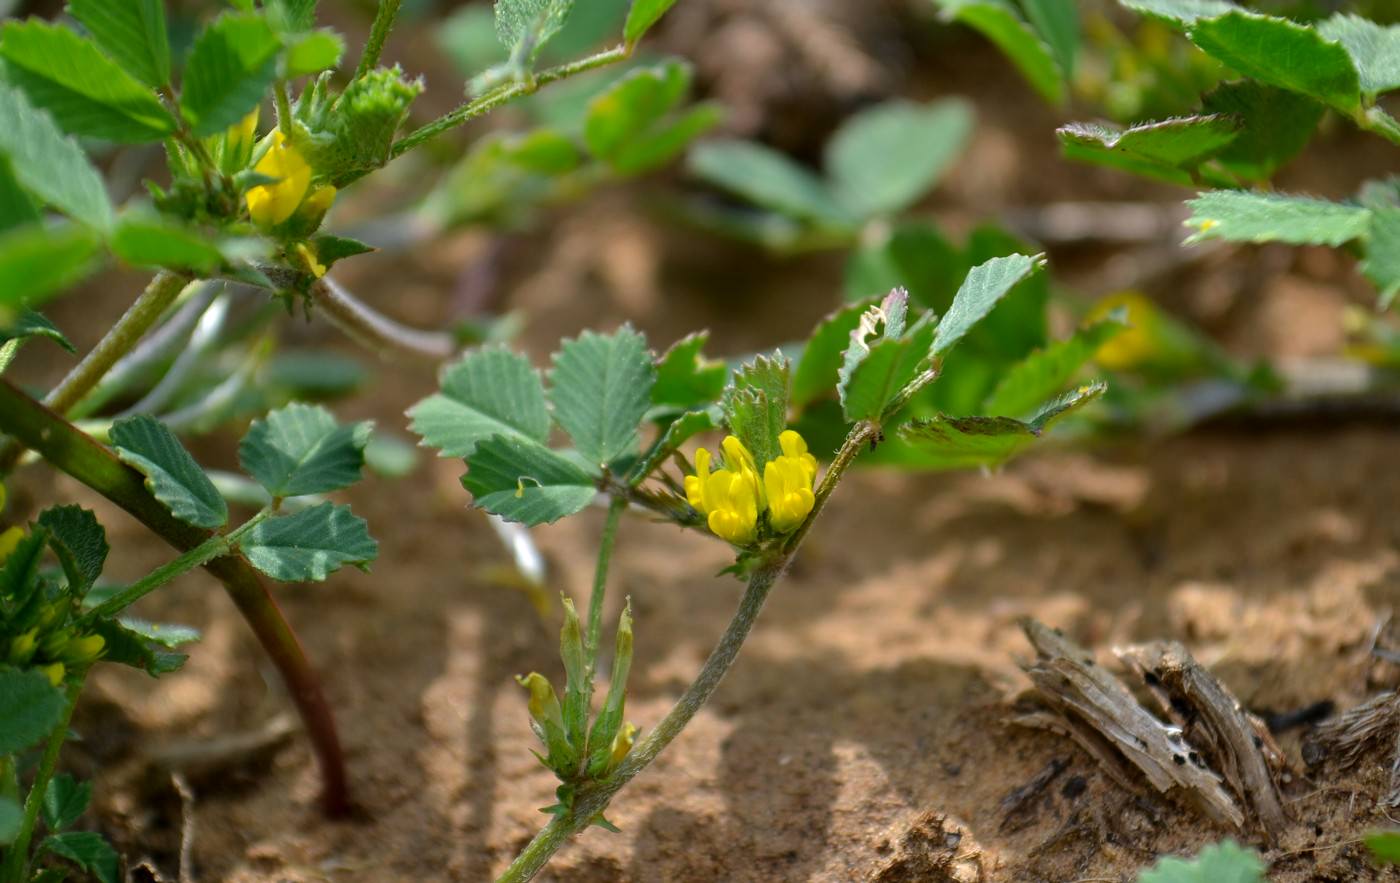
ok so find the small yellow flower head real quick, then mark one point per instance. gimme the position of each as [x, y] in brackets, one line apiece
[622, 743]
[9, 540]
[788, 480]
[84, 650]
[730, 498]
[54, 672]
[271, 204]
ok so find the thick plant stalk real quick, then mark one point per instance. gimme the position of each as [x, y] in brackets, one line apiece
[130, 328]
[593, 799]
[74, 452]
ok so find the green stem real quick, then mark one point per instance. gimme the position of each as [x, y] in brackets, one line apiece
[130, 328]
[378, 33]
[600, 579]
[592, 799]
[214, 547]
[1376, 120]
[80, 456]
[284, 108]
[374, 329]
[16, 868]
[491, 100]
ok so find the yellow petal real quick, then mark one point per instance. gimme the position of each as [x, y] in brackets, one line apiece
[271, 204]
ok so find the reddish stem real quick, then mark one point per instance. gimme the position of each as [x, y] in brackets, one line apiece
[76, 453]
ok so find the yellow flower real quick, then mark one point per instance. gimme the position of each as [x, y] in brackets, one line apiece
[82, 650]
[9, 539]
[55, 673]
[788, 480]
[318, 269]
[271, 204]
[237, 144]
[730, 498]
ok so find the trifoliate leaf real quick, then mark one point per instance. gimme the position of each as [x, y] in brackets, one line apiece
[1242, 216]
[945, 442]
[132, 32]
[30, 708]
[984, 286]
[80, 543]
[816, 373]
[312, 53]
[50, 165]
[882, 160]
[301, 449]
[65, 800]
[232, 64]
[1057, 23]
[87, 93]
[1374, 49]
[1278, 52]
[521, 480]
[147, 240]
[491, 391]
[768, 179]
[914, 256]
[600, 387]
[1275, 125]
[130, 642]
[309, 545]
[632, 105]
[1045, 372]
[171, 473]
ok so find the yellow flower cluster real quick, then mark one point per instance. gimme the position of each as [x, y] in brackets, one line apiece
[733, 498]
[272, 204]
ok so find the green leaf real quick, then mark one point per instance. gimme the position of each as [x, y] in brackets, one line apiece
[301, 449]
[87, 93]
[312, 53]
[50, 165]
[292, 15]
[65, 800]
[1057, 23]
[1383, 845]
[1045, 372]
[128, 643]
[985, 284]
[145, 240]
[685, 378]
[330, 248]
[755, 406]
[309, 545]
[1275, 126]
[1382, 262]
[491, 391]
[38, 262]
[915, 257]
[642, 16]
[132, 32]
[666, 139]
[171, 473]
[11, 818]
[1181, 12]
[768, 179]
[998, 21]
[522, 480]
[80, 543]
[1280, 53]
[1242, 216]
[632, 105]
[89, 851]
[817, 369]
[882, 160]
[1374, 49]
[524, 26]
[19, 571]
[677, 433]
[884, 372]
[600, 388]
[30, 708]
[1226, 862]
[965, 442]
[17, 208]
[31, 324]
[231, 66]
[1181, 143]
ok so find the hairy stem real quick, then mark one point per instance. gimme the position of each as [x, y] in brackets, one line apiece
[600, 579]
[130, 328]
[592, 799]
[495, 98]
[77, 454]
[374, 329]
[16, 867]
[378, 33]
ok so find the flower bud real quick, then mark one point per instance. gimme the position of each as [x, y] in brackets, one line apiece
[22, 647]
[81, 651]
[55, 672]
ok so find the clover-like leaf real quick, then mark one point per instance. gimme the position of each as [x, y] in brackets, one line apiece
[878, 379]
[1166, 149]
[80, 543]
[30, 707]
[172, 475]
[882, 160]
[1045, 372]
[985, 285]
[1281, 53]
[309, 545]
[37, 262]
[144, 646]
[133, 32]
[49, 164]
[755, 405]
[1374, 49]
[491, 391]
[89, 851]
[1000, 22]
[946, 442]
[232, 63]
[817, 368]
[600, 387]
[301, 449]
[521, 480]
[685, 378]
[1242, 216]
[65, 800]
[29, 324]
[769, 179]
